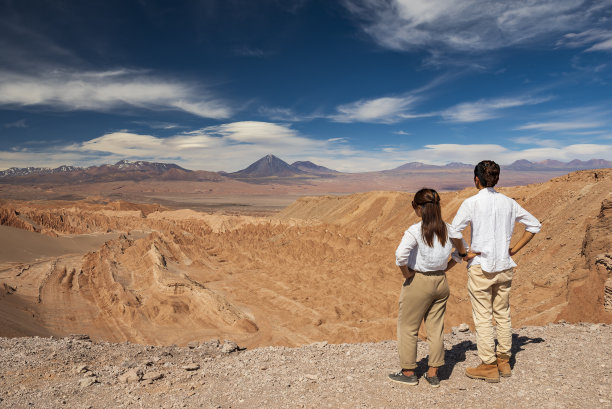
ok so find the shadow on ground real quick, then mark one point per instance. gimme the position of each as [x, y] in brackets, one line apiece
[458, 352]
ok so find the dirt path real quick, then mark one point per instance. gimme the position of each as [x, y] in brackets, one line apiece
[556, 366]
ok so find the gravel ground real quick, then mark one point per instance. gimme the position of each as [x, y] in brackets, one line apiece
[557, 366]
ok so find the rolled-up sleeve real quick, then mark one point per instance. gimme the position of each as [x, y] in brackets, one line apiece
[402, 253]
[532, 225]
[453, 233]
[462, 218]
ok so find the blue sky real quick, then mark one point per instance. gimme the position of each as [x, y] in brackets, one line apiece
[354, 85]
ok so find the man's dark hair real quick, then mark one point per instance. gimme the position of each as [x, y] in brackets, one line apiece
[487, 173]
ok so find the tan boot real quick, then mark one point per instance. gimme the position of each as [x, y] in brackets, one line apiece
[503, 365]
[488, 372]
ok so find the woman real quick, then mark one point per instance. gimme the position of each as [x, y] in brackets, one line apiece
[423, 257]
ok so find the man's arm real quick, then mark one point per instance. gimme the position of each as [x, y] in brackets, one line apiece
[462, 218]
[532, 226]
[526, 238]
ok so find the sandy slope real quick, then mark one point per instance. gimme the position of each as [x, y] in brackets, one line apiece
[322, 269]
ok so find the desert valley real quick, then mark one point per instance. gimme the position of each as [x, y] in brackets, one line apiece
[220, 263]
[320, 269]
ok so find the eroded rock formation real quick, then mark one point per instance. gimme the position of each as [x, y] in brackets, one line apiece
[322, 269]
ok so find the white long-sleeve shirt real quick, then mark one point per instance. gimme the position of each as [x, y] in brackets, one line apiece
[414, 252]
[492, 216]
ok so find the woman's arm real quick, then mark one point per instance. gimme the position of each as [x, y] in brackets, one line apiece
[451, 264]
[458, 244]
[406, 272]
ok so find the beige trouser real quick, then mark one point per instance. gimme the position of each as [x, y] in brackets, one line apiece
[490, 296]
[422, 297]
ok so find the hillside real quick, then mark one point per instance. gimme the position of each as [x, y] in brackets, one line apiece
[321, 270]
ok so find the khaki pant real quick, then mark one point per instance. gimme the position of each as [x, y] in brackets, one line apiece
[423, 296]
[490, 296]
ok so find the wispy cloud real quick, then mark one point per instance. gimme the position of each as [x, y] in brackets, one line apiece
[158, 124]
[560, 126]
[105, 91]
[381, 110]
[595, 39]
[285, 114]
[21, 123]
[485, 109]
[472, 25]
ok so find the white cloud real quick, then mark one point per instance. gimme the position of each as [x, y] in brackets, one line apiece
[106, 90]
[382, 110]
[597, 39]
[485, 109]
[123, 143]
[258, 132]
[471, 25]
[560, 126]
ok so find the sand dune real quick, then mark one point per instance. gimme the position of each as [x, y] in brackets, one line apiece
[322, 269]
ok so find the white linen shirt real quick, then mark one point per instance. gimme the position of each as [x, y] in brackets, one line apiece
[414, 252]
[492, 216]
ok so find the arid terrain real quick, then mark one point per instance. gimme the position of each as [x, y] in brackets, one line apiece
[322, 269]
[317, 276]
[554, 366]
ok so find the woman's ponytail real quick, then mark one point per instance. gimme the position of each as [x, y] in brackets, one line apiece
[429, 202]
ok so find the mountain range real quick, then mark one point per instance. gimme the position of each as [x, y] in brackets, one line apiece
[122, 170]
[269, 166]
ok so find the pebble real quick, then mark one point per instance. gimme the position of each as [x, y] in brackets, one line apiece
[191, 367]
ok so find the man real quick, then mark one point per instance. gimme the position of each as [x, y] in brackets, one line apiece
[492, 217]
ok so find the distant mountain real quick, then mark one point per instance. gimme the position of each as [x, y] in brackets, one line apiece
[13, 172]
[268, 166]
[122, 170]
[424, 166]
[591, 164]
[525, 165]
[458, 165]
[308, 166]
[416, 166]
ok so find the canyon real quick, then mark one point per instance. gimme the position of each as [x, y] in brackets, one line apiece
[320, 269]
